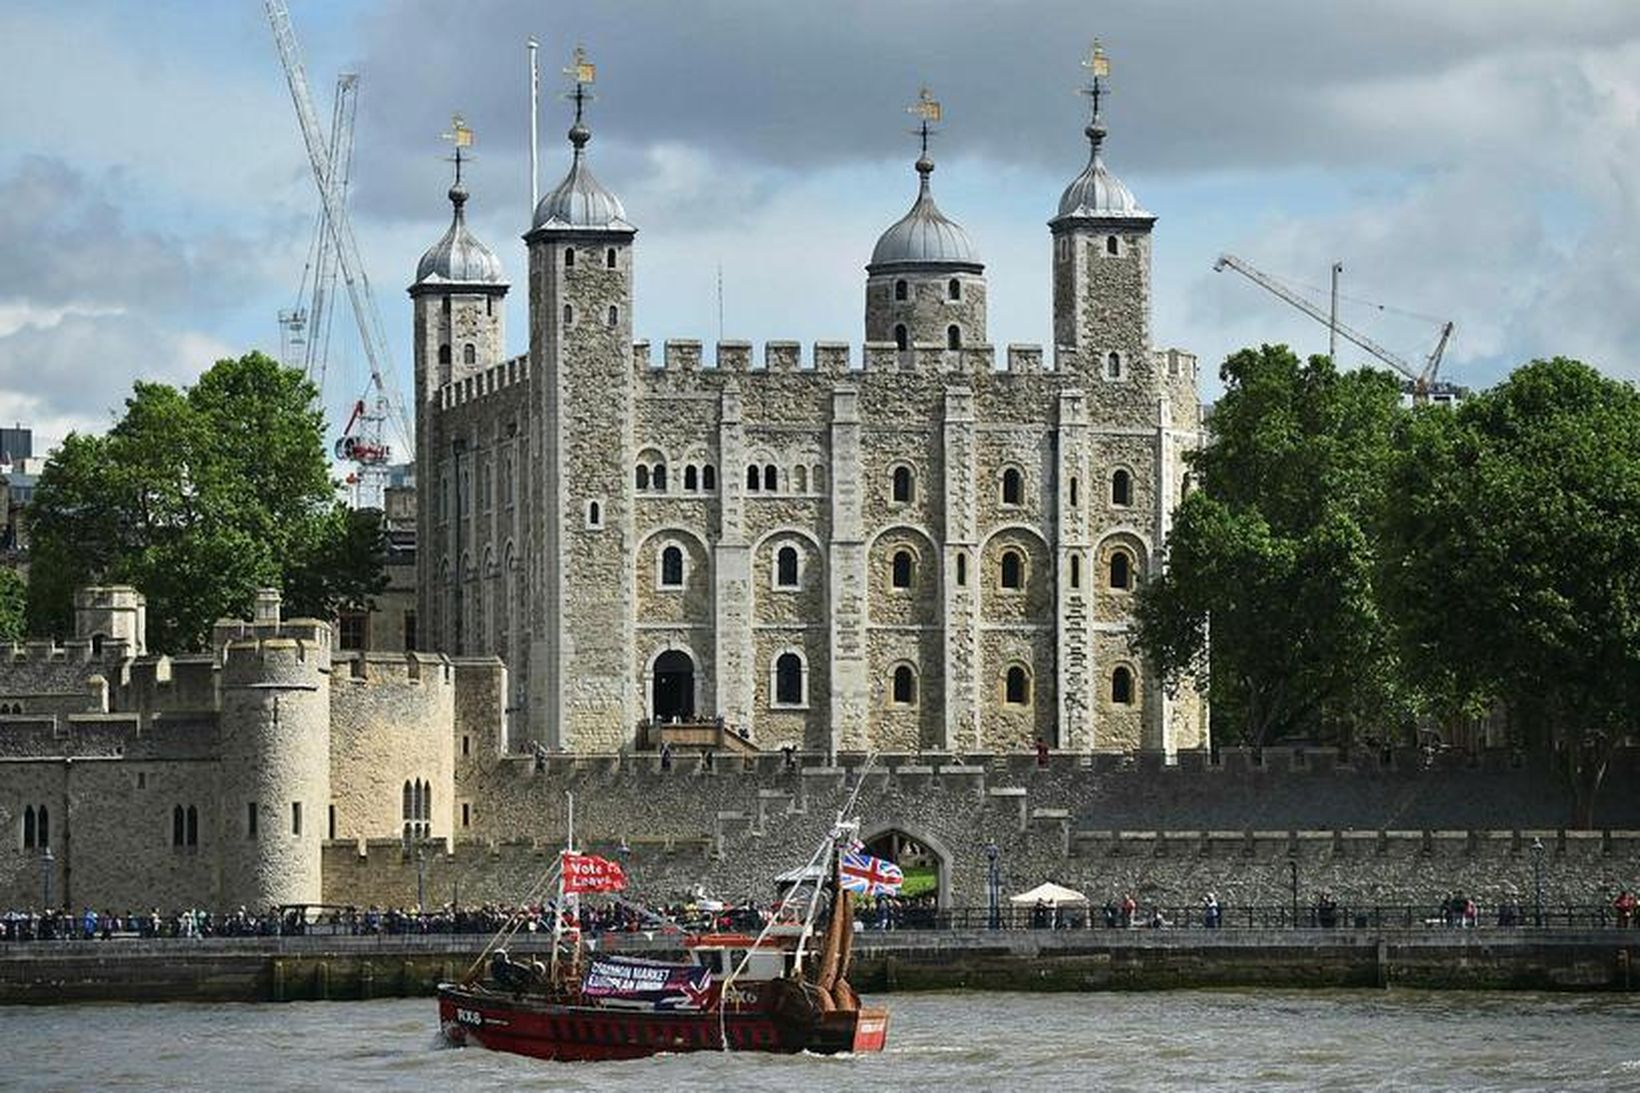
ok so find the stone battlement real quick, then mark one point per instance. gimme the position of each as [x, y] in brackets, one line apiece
[72, 651]
[837, 358]
[484, 383]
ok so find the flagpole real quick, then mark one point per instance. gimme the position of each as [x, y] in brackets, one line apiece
[535, 92]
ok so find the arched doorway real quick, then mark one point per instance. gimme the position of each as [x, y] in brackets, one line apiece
[924, 888]
[674, 688]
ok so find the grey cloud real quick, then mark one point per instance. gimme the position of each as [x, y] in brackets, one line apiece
[1197, 86]
[68, 243]
[78, 370]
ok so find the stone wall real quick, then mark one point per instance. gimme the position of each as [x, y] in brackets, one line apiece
[1395, 832]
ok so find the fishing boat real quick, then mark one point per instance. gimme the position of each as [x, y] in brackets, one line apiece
[783, 988]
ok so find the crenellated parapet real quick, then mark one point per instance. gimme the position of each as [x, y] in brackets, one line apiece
[482, 385]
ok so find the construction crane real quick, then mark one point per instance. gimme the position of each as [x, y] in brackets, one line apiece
[1419, 381]
[372, 335]
[323, 308]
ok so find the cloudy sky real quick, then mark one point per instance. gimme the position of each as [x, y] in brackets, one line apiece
[1465, 159]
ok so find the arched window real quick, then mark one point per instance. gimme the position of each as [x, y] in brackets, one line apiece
[1121, 687]
[785, 567]
[1121, 569]
[1016, 687]
[1111, 245]
[444, 354]
[788, 680]
[902, 484]
[901, 339]
[640, 476]
[609, 258]
[1185, 484]
[817, 479]
[569, 315]
[905, 685]
[691, 478]
[962, 570]
[800, 478]
[569, 257]
[771, 477]
[1073, 492]
[953, 289]
[427, 802]
[1013, 570]
[1113, 366]
[953, 337]
[902, 569]
[469, 355]
[900, 290]
[409, 811]
[595, 514]
[193, 826]
[1121, 488]
[1013, 487]
[1076, 571]
[28, 827]
[45, 827]
[614, 315]
[179, 826]
[672, 567]
[752, 478]
[657, 475]
[708, 478]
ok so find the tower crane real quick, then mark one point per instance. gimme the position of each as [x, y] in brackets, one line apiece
[372, 335]
[323, 307]
[1418, 381]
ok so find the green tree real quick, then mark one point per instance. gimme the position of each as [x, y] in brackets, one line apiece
[199, 497]
[1512, 560]
[13, 596]
[1275, 554]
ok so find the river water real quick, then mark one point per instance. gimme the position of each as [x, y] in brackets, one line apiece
[947, 1042]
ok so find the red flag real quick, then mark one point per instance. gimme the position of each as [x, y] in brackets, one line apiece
[590, 873]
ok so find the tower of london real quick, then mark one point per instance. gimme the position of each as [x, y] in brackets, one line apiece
[917, 542]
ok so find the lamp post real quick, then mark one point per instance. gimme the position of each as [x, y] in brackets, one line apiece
[421, 879]
[47, 867]
[993, 885]
[1537, 881]
[1292, 864]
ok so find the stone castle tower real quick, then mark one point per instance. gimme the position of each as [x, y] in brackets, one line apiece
[919, 544]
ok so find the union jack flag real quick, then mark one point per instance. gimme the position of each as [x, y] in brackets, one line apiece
[869, 876]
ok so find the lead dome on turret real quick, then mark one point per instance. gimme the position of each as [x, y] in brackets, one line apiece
[459, 258]
[925, 235]
[580, 202]
[1096, 192]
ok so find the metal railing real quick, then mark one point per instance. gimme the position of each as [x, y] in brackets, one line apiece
[1244, 917]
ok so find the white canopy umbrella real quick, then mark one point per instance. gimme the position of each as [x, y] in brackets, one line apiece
[1054, 895]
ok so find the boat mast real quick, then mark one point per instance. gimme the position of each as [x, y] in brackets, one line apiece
[558, 906]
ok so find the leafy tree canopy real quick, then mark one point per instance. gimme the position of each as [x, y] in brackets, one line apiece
[13, 594]
[198, 497]
[1276, 554]
[1512, 557]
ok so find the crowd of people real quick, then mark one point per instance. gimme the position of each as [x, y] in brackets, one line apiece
[697, 914]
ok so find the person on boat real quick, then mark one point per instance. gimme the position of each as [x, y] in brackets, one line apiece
[1624, 905]
[1130, 908]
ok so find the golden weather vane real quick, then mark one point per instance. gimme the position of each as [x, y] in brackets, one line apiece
[460, 137]
[581, 70]
[1098, 66]
[927, 108]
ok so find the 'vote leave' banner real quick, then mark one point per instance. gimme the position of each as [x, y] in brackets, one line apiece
[590, 873]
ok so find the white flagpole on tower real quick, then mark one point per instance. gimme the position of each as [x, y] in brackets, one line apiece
[535, 95]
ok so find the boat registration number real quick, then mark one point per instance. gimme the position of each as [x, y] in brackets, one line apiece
[469, 1017]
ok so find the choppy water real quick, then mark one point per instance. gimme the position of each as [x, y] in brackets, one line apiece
[1179, 1040]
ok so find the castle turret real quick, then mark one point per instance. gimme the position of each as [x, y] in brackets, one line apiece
[580, 246]
[275, 755]
[925, 284]
[1101, 262]
[114, 614]
[459, 299]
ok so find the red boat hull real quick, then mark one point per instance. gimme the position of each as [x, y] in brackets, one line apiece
[556, 1030]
